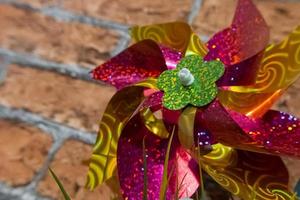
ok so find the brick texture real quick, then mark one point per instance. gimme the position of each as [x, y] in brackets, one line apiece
[23, 150]
[70, 165]
[74, 102]
[128, 12]
[282, 17]
[30, 32]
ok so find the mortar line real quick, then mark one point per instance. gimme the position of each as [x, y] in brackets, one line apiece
[3, 68]
[20, 193]
[55, 129]
[68, 16]
[44, 169]
[195, 9]
[28, 60]
[122, 44]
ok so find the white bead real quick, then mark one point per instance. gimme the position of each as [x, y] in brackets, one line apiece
[186, 77]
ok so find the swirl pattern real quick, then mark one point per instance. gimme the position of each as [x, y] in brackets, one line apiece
[196, 46]
[246, 172]
[175, 35]
[251, 104]
[280, 66]
[120, 108]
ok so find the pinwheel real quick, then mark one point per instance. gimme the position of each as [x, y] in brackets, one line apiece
[181, 103]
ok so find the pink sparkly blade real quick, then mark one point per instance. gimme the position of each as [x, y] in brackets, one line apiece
[237, 46]
[154, 102]
[276, 132]
[247, 36]
[218, 124]
[171, 56]
[140, 61]
[131, 167]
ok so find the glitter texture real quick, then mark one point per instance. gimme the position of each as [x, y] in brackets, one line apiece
[171, 56]
[138, 62]
[201, 92]
[247, 36]
[276, 132]
[131, 168]
[237, 78]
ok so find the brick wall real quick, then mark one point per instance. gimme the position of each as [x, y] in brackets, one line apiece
[49, 107]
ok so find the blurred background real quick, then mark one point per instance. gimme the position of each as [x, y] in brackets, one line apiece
[49, 107]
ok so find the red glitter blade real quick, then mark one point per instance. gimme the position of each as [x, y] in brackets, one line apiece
[140, 61]
[239, 46]
[247, 36]
[275, 132]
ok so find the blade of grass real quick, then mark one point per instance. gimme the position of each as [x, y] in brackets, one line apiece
[164, 184]
[61, 187]
[202, 195]
[178, 187]
[145, 171]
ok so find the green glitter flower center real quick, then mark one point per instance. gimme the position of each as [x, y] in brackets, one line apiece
[191, 82]
[186, 77]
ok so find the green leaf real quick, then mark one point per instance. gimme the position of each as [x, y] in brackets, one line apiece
[202, 194]
[61, 187]
[164, 184]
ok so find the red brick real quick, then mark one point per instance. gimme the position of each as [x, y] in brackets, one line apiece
[70, 165]
[282, 17]
[129, 11]
[214, 16]
[75, 102]
[23, 150]
[25, 31]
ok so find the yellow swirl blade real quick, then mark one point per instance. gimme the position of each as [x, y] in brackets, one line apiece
[196, 46]
[119, 110]
[153, 124]
[246, 174]
[175, 34]
[280, 66]
[251, 104]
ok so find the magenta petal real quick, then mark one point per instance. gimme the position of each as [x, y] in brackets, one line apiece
[140, 61]
[240, 46]
[276, 132]
[171, 56]
[130, 162]
[284, 133]
[215, 120]
[247, 36]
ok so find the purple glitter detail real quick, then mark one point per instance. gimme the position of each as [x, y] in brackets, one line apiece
[241, 74]
[215, 120]
[203, 137]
